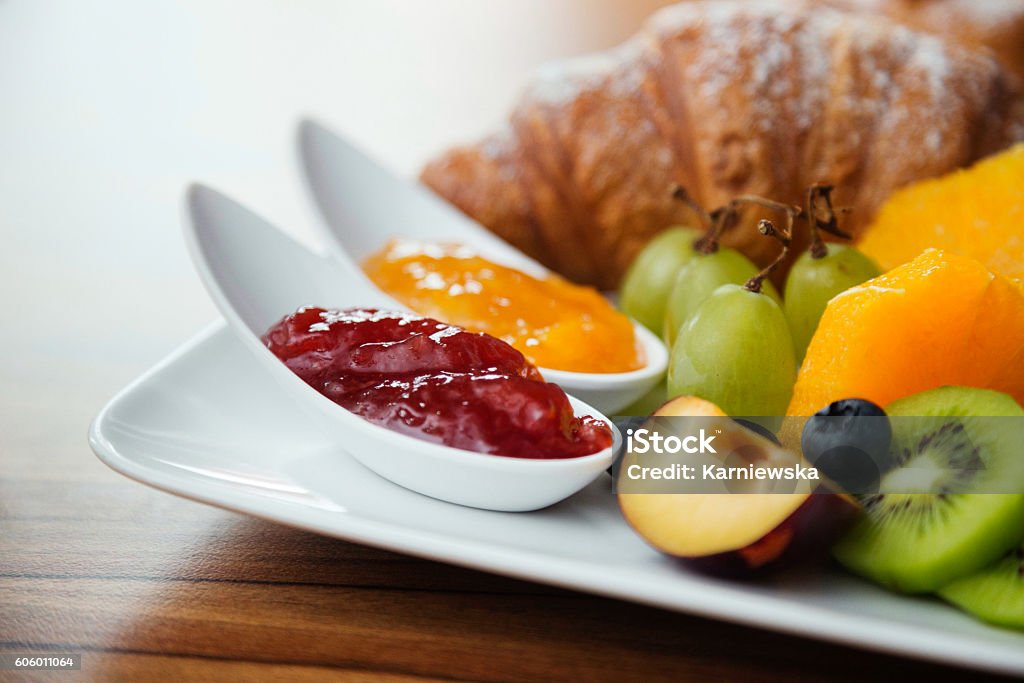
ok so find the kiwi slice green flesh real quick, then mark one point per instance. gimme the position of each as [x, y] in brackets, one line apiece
[995, 594]
[919, 542]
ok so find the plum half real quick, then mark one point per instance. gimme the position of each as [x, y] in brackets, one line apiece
[741, 530]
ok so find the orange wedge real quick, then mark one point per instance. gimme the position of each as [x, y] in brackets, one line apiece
[977, 212]
[939, 319]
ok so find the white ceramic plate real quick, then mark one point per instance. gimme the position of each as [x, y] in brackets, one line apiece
[208, 424]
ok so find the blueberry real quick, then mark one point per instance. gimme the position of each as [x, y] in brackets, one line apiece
[848, 442]
[853, 470]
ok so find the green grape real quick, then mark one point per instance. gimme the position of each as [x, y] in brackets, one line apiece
[650, 277]
[736, 351]
[813, 282]
[701, 276]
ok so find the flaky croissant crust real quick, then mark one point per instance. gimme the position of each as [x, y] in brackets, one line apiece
[725, 98]
[994, 24]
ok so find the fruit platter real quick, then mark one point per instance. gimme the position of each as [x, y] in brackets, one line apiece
[737, 333]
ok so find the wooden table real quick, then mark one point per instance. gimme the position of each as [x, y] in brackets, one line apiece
[108, 111]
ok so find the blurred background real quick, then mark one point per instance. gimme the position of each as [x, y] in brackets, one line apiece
[110, 108]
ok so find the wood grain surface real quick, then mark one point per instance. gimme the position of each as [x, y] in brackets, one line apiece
[109, 108]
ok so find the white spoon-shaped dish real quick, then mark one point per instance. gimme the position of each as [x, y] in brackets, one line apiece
[256, 275]
[364, 205]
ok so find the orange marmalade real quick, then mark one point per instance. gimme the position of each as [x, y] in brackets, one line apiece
[551, 321]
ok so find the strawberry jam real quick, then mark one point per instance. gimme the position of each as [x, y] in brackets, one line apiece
[434, 381]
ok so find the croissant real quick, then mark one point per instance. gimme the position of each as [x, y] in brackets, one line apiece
[725, 98]
[997, 25]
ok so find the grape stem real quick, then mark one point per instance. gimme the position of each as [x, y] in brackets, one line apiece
[822, 217]
[714, 223]
[783, 237]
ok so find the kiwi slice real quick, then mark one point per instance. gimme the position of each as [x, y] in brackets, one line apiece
[995, 594]
[918, 542]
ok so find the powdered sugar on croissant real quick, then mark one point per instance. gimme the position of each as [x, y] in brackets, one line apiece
[724, 98]
[994, 24]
